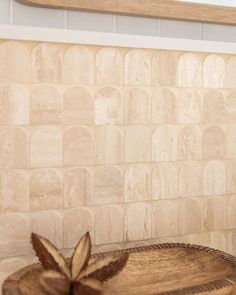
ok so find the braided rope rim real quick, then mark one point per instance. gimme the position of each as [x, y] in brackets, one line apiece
[10, 286]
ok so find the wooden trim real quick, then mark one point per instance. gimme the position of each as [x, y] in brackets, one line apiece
[173, 9]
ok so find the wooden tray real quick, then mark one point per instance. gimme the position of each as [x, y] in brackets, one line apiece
[167, 269]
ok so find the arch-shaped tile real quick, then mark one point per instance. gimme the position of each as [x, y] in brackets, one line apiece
[78, 188]
[14, 60]
[189, 107]
[14, 235]
[109, 66]
[186, 223]
[215, 214]
[137, 67]
[108, 145]
[79, 65]
[49, 225]
[45, 105]
[213, 71]
[108, 106]
[108, 223]
[214, 108]
[137, 144]
[14, 105]
[76, 223]
[214, 143]
[230, 78]
[231, 141]
[46, 63]
[137, 183]
[189, 143]
[190, 179]
[9, 266]
[108, 185]
[190, 70]
[231, 212]
[230, 116]
[164, 69]
[138, 222]
[231, 177]
[137, 106]
[14, 191]
[164, 106]
[78, 106]
[46, 147]
[45, 189]
[218, 241]
[164, 181]
[78, 146]
[164, 143]
[214, 178]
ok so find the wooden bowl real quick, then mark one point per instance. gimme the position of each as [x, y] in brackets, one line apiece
[167, 269]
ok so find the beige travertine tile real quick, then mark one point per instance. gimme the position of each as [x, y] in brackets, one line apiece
[76, 223]
[137, 67]
[230, 78]
[14, 61]
[78, 188]
[136, 106]
[164, 143]
[231, 176]
[190, 70]
[214, 107]
[14, 105]
[45, 189]
[46, 63]
[190, 179]
[109, 66]
[137, 144]
[218, 241]
[108, 222]
[108, 145]
[137, 183]
[46, 147]
[214, 178]
[78, 106]
[214, 143]
[164, 181]
[231, 242]
[164, 68]
[163, 106]
[189, 106]
[78, 146]
[45, 106]
[230, 116]
[231, 212]
[107, 248]
[202, 239]
[108, 185]
[213, 71]
[79, 65]
[231, 141]
[215, 213]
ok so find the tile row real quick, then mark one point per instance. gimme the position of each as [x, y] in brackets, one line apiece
[50, 105]
[56, 63]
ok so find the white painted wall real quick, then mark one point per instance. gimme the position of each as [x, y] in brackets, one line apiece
[231, 3]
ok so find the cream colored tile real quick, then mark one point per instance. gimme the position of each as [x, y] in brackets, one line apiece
[46, 63]
[137, 183]
[215, 213]
[108, 248]
[45, 189]
[231, 141]
[108, 222]
[164, 68]
[78, 106]
[190, 179]
[214, 143]
[190, 70]
[164, 181]
[109, 66]
[231, 242]
[78, 146]
[79, 65]
[231, 212]
[46, 147]
[78, 188]
[45, 106]
[137, 144]
[108, 185]
[136, 106]
[164, 143]
[218, 241]
[108, 145]
[137, 67]
[231, 177]
[213, 71]
[214, 107]
[14, 105]
[164, 106]
[214, 178]
[230, 116]
[202, 239]
[14, 61]
[230, 78]
[76, 223]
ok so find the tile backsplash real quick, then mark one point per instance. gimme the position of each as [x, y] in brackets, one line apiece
[137, 146]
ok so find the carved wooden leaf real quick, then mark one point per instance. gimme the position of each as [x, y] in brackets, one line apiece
[88, 286]
[55, 283]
